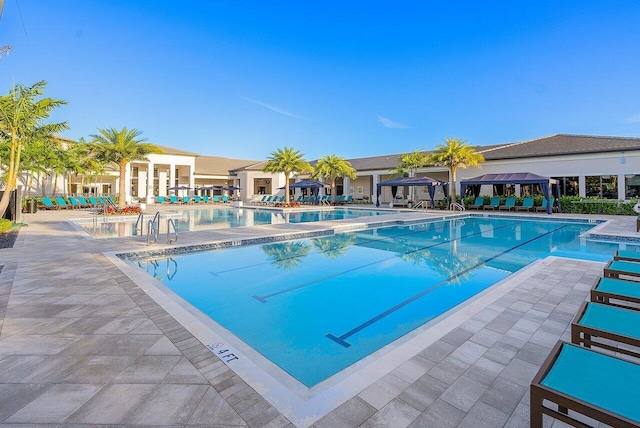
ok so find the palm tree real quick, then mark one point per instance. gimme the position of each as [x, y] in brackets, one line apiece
[120, 148]
[21, 124]
[332, 167]
[454, 154]
[287, 161]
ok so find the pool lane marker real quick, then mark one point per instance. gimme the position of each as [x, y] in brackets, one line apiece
[341, 339]
[264, 298]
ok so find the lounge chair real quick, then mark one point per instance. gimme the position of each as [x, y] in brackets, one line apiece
[62, 203]
[102, 200]
[197, 199]
[599, 386]
[630, 256]
[75, 203]
[349, 199]
[94, 201]
[597, 321]
[615, 268]
[527, 205]
[477, 204]
[509, 204]
[84, 202]
[160, 200]
[493, 204]
[543, 207]
[225, 199]
[110, 200]
[623, 293]
[205, 199]
[47, 204]
[186, 200]
[173, 199]
[216, 199]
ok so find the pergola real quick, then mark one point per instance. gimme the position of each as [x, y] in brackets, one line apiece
[515, 178]
[410, 181]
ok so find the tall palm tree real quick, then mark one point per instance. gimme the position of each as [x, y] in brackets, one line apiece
[287, 161]
[332, 167]
[120, 148]
[22, 114]
[454, 154]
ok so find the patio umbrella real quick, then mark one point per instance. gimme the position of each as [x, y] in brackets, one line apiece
[180, 188]
[232, 188]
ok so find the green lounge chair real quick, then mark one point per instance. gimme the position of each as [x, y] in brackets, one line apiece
[596, 321]
[477, 204]
[630, 256]
[527, 205]
[599, 386]
[47, 204]
[62, 203]
[623, 293]
[493, 204]
[615, 268]
[509, 204]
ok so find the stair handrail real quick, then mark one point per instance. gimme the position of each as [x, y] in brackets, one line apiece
[171, 224]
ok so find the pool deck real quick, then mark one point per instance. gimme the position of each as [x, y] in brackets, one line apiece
[81, 344]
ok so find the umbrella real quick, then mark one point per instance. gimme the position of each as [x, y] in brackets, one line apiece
[210, 188]
[232, 188]
[180, 188]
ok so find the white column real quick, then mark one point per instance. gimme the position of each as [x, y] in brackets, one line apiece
[192, 179]
[621, 183]
[374, 190]
[172, 176]
[162, 182]
[346, 185]
[582, 186]
[150, 168]
[127, 185]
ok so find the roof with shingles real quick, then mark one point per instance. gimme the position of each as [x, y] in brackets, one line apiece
[171, 151]
[220, 165]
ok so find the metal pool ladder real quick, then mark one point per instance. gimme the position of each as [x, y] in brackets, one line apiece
[153, 229]
[456, 207]
[171, 237]
[139, 223]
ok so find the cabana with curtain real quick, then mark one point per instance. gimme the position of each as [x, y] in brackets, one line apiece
[515, 178]
[314, 185]
[429, 182]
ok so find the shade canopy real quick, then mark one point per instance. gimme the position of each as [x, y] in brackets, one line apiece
[516, 178]
[232, 188]
[180, 188]
[306, 184]
[410, 181]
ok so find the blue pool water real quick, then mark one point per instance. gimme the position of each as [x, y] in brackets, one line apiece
[224, 217]
[316, 306]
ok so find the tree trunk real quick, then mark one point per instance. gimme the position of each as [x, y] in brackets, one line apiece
[122, 188]
[286, 188]
[453, 185]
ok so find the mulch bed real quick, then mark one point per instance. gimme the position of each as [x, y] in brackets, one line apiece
[8, 239]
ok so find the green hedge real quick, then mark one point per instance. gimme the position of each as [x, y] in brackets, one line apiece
[5, 225]
[575, 204]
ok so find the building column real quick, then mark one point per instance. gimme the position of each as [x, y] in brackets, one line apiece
[172, 175]
[127, 185]
[346, 186]
[621, 186]
[192, 180]
[374, 187]
[582, 186]
[150, 167]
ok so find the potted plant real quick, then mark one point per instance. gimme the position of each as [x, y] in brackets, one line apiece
[29, 205]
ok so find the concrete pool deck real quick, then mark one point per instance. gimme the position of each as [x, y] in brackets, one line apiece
[82, 344]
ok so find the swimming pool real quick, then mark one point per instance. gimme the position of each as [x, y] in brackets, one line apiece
[334, 300]
[225, 217]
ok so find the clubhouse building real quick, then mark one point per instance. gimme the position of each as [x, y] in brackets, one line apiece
[605, 167]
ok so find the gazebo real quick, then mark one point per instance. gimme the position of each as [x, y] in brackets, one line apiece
[515, 178]
[429, 182]
[314, 185]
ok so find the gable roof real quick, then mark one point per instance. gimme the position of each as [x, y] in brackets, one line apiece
[171, 151]
[219, 165]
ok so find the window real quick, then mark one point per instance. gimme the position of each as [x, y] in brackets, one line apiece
[568, 186]
[602, 186]
[631, 186]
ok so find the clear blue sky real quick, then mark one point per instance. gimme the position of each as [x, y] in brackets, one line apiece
[243, 78]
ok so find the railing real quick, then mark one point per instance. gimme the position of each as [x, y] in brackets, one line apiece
[456, 207]
[171, 225]
[153, 229]
[139, 223]
[421, 205]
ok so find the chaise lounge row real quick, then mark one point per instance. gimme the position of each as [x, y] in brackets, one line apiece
[577, 382]
[173, 199]
[510, 204]
[48, 203]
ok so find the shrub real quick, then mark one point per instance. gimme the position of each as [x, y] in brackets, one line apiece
[5, 225]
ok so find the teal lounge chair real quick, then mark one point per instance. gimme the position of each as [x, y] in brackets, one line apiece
[110, 200]
[509, 204]
[477, 204]
[197, 199]
[47, 204]
[102, 200]
[617, 292]
[493, 204]
[225, 199]
[186, 199]
[94, 202]
[173, 199]
[205, 199]
[599, 386]
[527, 205]
[349, 199]
[62, 203]
[84, 202]
[75, 203]
[630, 256]
[543, 207]
[595, 321]
[160, 200]
[216, 199]
[615, 268]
